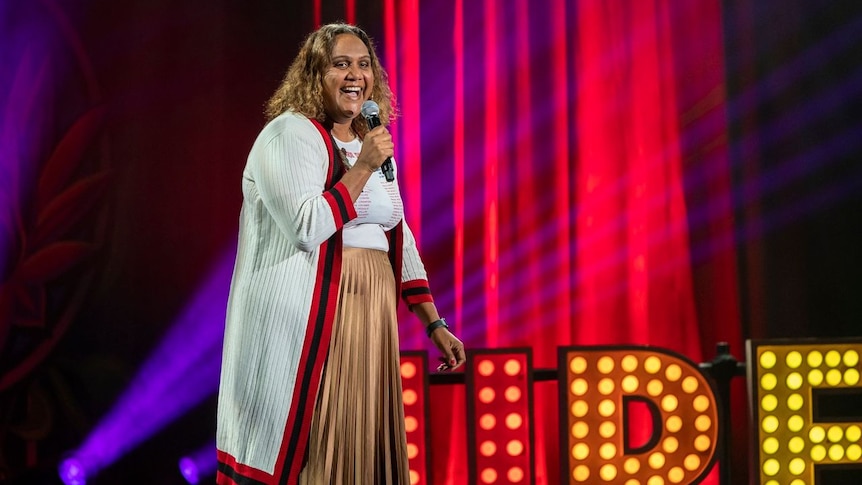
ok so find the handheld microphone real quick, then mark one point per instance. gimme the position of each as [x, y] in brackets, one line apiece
[371, 112]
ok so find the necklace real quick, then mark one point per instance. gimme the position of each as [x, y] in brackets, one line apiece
[343, 154]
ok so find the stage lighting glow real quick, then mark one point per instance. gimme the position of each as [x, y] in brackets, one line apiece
[199, 464]
[805, 394]
[189, 470]
[179, 374]
[72, 472]
[677, 400]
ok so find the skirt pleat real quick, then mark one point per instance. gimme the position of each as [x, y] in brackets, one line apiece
[357, 432]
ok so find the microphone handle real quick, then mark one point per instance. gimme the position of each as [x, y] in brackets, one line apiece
[388, 171]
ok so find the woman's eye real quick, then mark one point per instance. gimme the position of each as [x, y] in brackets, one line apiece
[365, 64]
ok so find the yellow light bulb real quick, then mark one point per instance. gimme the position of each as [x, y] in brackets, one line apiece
[770, 446]
[815, 377]
[851, 377]
[632, 466]
[836, 452]
[796, 466]
[580, 430]
[796, 444]
[768, 381]
[580, 408]
[793, 359]
[673, 372]
[769, 424]
[652, 364]
[581, 473]
[629, 363]
[818, 452]
[605, 365]
[579, 387]
[768, 359]
[656, 460]
[795, 402]
[795, 423]
[817, 434]
[580, 451]
[690, 384]
[669, 403]
[833, 377]
[607, 429]
[794, 380]
[851, 358]
[771, 467]
[853, 433]
[835, 434]
[815, 358]
[769, 403]
[606, 386]
[608, 472]
[578, 365]
[630, 384]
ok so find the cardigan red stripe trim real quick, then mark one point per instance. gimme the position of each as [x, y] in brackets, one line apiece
[330, 149]
[230, 472]
[416, 291]
[337, 194]
[342, 210]
[292, 455]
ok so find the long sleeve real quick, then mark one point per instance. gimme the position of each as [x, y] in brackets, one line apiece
[414, 279]
[289, 166]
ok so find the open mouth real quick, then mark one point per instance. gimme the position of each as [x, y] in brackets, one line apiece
[353, 92]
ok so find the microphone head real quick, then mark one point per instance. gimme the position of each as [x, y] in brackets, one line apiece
[369, 109]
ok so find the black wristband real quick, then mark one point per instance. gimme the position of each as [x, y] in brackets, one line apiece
[435, 325]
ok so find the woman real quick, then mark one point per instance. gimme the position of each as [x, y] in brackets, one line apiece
[310, 387]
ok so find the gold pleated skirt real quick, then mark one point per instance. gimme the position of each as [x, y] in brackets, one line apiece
[357, 430]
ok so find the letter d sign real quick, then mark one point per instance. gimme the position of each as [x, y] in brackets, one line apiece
[634, 415]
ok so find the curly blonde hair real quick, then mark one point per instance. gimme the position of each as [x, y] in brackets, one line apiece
[301, 90]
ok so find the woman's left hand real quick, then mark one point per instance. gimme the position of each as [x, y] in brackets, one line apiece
[451, 348]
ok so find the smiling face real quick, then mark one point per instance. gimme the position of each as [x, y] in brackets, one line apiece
[349, 80]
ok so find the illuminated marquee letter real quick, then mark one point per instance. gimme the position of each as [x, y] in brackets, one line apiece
[414, 391]
[598, 388]
[807, 406]
[500, 406]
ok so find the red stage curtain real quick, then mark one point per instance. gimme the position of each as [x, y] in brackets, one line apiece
[566, 169]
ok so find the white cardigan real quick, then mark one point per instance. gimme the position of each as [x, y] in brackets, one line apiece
[276, 331]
